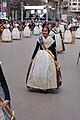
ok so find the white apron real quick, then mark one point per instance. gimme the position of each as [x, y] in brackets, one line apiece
[43, 72]
[26, 32]
[40, 27]
[6, 35]
[58, 42]
[15, 34]
[67, 37]
[77, 35]
[36, 30]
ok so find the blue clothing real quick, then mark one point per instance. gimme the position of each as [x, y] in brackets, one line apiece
[41, 40]
[3, 96]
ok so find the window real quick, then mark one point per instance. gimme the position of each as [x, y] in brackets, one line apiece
[69, 4]
[74, 3]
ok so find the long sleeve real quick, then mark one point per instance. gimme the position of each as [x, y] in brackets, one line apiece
[60, 34]
[36, 49]
[53, 50]
[4, 85]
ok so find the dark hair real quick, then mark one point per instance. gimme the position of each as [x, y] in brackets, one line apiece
[54, 24]
[47, 29]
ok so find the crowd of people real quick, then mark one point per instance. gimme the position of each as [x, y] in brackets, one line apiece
[44, 72]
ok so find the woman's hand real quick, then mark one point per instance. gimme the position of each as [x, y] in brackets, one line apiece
[5, 103]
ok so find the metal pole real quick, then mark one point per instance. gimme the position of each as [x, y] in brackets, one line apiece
[46, 10]
[15, 14]
[58, 10]
[8, 8]
[21, 11]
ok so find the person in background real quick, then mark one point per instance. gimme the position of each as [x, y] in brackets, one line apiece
[51, 33]
[58, 38]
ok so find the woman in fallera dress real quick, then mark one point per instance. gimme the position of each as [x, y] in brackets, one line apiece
[15, 32]
[58, 38]
[6, 34]
[6, 112]
[68, 36]
[51, 33]
[42, 73]
[4, 93]
[77, 35]
[26, 31]
[36, 30]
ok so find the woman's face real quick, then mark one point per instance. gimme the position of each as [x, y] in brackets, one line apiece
[50, 26]
[45, 32]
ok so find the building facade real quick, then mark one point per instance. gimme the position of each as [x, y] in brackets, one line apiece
[74, 5]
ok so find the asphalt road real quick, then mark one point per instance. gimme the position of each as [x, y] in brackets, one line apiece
[62, 104]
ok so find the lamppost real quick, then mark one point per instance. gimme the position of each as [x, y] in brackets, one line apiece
[47, 10]
[58, 7]
[58, 12]
[22, 8]
[13, 8]
[8, 9]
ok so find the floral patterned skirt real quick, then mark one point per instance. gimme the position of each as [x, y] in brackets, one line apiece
[42, 74]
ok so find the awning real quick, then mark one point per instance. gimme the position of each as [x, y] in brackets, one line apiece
[41, 7]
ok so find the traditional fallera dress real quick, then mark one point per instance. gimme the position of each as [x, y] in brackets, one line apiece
[26, 32]
[36, 30]
[3, 91]
[1, 31]
[3, 114]
[40, 27]
[2, 117]
[77, 35]
[68, 37]
[16, 34]
[52, 34]
[62, 28]
[6, 35]
[58, 39]
[43, 75]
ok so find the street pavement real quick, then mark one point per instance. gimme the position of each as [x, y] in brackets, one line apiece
[62, 104]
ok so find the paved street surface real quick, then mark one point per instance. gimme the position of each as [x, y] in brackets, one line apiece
[62, 104]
